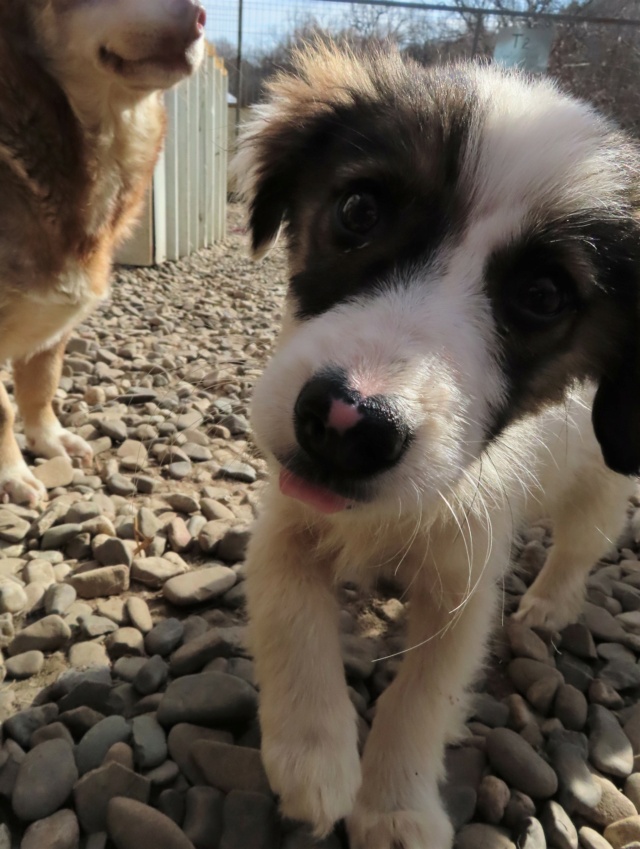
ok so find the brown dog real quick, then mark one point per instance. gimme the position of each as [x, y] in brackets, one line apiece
[81, 126]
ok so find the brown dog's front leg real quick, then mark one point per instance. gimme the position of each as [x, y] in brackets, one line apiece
[36, 381]
[16, 481]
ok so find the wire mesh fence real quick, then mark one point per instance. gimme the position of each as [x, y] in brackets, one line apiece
[595, 44]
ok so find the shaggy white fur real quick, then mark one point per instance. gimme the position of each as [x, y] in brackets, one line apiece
[497, 436]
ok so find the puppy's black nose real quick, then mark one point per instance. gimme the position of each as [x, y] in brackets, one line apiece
[345, 433]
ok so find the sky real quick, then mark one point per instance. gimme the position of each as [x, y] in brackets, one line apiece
[264, 21]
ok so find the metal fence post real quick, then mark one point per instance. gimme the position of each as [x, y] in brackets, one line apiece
[239, 63]
[476, 33]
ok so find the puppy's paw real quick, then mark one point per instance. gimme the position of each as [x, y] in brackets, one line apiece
[429, 828]
[20, 486]
[551, 612]
[58, 442]
[316, 784]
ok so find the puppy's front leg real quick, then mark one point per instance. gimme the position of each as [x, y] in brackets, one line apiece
[399, 804]
[587, 522]
[309, 738]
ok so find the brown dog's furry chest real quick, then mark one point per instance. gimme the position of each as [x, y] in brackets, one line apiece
[70, 192]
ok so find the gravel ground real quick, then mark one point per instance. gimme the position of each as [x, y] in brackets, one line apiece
[128, 706]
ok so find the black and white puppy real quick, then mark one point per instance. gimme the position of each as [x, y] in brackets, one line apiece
[461, 350]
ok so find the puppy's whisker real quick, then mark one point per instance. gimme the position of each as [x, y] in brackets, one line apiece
[409, 544]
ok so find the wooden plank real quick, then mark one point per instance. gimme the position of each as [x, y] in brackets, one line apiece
[213, 182]
[138, 249]
[221, 159]
[182, 204]
[215, 223]
[205, 175]
[194, 161]
[223, 155]
[159, 197]
[171, 176]
[212, 117]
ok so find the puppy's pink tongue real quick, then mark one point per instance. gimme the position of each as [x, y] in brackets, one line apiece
[316, 496]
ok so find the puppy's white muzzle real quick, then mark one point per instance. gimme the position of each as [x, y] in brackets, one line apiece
[377, 399]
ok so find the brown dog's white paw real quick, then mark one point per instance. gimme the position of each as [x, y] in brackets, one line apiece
[316, 784]
[19, 486]
[58, 442]
[426, 829]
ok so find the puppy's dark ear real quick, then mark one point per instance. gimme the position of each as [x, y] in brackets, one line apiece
[271, 155]
[616, 412]
[616, 407]
[263, 181]
[268, 208]
[274, 148]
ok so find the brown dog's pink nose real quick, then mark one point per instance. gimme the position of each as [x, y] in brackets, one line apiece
[190, 18]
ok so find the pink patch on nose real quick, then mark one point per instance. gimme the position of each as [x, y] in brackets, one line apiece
[343, 416]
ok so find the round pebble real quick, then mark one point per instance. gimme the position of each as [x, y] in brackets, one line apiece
[59, 831]
[519, 765]
[590, 839]
[125, 641]
[571, 707]
[59, 598]
[46, 635]
[165, 637]
[149, 742]
[199, 586]
[208, 699]
[131, 825]
[44, 781]
[151, 676]
[228, 768]
[609, 748]
[560, 831]
[95, 744]
[623, 832]
[532, 836]
[479, 836]
[155, 571]
[139, 614]
[55, 472]
[25, 665]
[203, 821]
[13, 598]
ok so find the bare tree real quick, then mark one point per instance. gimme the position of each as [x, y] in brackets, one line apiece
[601, 62]
[598, 62]
[375, 23]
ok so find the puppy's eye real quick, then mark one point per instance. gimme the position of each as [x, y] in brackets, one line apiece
[543, 299]
[358, 213]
